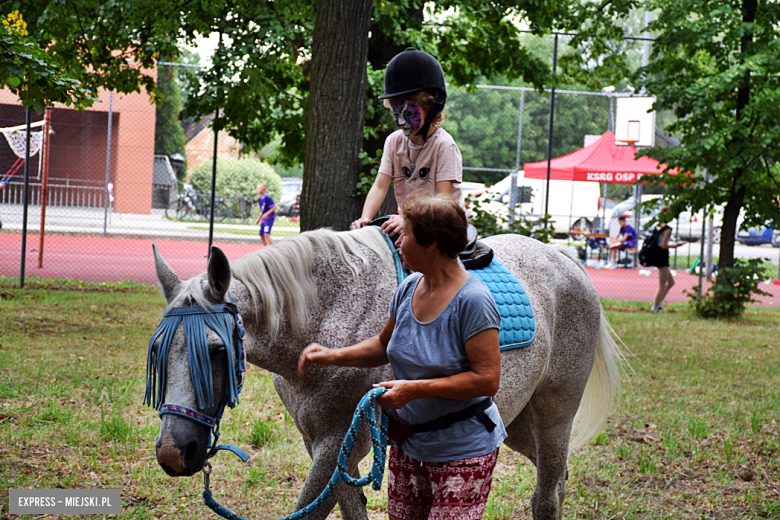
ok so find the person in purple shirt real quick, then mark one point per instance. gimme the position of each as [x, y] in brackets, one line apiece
[267, 214]
[626, 239]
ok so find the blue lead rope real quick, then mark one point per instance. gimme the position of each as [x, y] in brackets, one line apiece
[365, 410]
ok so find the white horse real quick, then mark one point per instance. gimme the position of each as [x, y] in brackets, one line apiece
[335, 289]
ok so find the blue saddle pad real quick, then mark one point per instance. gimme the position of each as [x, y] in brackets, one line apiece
[518, 324]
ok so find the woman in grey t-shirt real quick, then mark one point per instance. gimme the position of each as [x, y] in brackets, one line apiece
[442, 341]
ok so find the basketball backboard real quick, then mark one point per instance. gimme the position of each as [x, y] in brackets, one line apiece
[635, 121]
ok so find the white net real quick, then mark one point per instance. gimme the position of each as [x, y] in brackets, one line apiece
[17, 140]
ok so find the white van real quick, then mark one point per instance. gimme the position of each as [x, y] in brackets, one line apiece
[572, 204]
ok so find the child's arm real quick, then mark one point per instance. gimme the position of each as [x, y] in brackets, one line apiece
[376, 195]
[272, 209]
[444, 187]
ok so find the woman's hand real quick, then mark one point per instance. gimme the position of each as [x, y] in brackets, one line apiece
[359, 223]
[398, 394]
[314, 354]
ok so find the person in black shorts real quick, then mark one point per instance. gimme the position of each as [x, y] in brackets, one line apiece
[665, 278]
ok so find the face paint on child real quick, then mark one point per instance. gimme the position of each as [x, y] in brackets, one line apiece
[407, 116]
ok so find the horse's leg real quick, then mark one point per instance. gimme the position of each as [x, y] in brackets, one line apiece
[324, 454]
[520, 436]
[352, 502]
[551, 423]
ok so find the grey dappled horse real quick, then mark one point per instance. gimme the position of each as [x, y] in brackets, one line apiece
[335, 289]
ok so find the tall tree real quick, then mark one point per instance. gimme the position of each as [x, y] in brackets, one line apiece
[169, 137]
[103, 44]
[35, 76]
[717, 65]
[261, 80]
[334, 128]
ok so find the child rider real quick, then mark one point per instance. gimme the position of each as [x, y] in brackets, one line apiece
[420, 154]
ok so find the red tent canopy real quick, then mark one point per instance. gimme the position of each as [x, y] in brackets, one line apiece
[600, 161]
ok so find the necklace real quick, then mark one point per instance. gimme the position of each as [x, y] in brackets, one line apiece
[409, 155]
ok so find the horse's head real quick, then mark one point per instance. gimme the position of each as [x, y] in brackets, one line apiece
[195, 364]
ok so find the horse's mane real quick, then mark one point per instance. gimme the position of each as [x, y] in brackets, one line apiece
[279, 278]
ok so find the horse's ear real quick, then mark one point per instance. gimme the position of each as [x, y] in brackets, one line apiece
[218, 273]
[169, 282]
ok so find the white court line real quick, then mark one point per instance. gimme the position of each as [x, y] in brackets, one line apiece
[144, 258]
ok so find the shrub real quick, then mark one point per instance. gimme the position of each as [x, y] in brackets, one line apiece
[237, 177]
[728, 297]
[488, 223]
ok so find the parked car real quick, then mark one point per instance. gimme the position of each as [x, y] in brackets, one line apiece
[690, 225]
[291, 189]
[759, 236]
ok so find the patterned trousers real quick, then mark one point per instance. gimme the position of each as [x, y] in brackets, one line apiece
[454, 490]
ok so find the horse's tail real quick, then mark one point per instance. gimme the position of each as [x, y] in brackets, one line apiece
[602, 392]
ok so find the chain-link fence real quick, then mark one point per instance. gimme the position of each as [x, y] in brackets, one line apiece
[111, 179]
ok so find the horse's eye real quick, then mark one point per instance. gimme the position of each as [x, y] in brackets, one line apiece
[217, 349]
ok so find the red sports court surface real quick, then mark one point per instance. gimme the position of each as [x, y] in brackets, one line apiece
[100, 259]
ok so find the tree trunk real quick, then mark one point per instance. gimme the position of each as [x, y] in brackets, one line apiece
[334, 128]
[737, 194]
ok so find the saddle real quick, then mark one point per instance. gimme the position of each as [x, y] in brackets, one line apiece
[476, 255]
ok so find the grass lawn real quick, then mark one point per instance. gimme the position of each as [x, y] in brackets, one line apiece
[696, 435]
[283, 227]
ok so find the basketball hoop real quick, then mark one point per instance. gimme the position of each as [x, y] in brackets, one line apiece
[635, 121]
[17, 140]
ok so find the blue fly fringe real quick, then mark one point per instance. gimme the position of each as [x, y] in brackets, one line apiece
[365, 410]
[219, 318]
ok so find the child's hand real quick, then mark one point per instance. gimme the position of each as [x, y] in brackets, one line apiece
[394, 225]
[359, 223]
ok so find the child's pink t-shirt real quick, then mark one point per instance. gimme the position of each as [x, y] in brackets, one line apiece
[439, 160]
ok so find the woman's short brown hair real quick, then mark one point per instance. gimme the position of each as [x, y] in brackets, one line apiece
[424, 100]
[436, 218]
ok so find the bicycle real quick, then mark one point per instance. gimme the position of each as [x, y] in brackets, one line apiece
[194, 205]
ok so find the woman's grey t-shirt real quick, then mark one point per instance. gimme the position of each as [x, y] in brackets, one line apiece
[429, 350]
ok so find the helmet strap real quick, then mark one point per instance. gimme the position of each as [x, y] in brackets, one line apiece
[423, 131]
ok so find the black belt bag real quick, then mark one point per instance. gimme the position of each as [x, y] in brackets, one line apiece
[398, 430]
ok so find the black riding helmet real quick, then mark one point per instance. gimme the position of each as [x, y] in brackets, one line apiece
[411, 71]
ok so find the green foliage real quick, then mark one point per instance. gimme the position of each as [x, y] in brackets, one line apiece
[714, 66]
[169, 137]
[237, 177]
[36, 77]
[367, 178]
[728, 300]
[112, 44]
[713, 71]
[489, 223]
[484, 124]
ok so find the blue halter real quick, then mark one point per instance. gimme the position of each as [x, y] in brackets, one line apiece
[226, 322]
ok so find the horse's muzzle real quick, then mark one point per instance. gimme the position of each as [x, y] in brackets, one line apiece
[179, 459]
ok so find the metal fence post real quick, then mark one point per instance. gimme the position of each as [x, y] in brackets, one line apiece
[28, 122]
[513, 175]
[550, 131]
[108, 160]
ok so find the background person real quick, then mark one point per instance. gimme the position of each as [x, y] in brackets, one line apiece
[420, 154]
[442, 342]
[626, 239]
[267, 214]
[665, 278]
